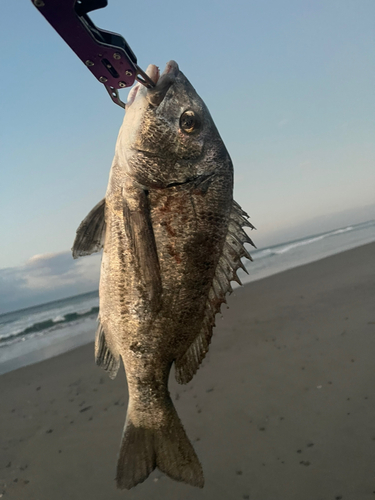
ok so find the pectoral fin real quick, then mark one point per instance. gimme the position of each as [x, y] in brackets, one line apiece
[140, 234]
[91, 232]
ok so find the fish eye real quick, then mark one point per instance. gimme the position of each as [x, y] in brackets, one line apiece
[189, 122]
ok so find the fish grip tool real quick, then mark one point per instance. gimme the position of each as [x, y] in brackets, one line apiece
[107, 55]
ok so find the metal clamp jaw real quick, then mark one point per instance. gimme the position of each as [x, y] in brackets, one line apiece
[107, 55]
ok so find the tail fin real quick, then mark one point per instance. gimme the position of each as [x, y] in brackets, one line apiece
[145, 447]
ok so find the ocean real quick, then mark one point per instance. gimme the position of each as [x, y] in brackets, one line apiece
[36, 333]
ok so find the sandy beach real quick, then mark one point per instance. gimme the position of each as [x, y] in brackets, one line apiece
[283, 407]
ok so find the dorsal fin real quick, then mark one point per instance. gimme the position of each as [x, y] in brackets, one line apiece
[229, 262]
[91, 232]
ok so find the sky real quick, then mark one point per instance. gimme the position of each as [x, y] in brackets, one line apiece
[290, 85]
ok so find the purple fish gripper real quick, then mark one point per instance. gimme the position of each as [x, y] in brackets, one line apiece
[107, 55]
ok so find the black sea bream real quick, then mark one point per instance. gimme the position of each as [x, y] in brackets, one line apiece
[172, 241]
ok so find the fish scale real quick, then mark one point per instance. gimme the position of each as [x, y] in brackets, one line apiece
[172, 240]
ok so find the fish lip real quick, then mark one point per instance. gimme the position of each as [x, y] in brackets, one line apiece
[132, 95]
[156, 95]
[162, 83]
[171, 68]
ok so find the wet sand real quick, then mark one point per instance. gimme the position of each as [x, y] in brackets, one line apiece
[283, 407]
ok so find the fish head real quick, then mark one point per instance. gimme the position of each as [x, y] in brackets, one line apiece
[168, 136]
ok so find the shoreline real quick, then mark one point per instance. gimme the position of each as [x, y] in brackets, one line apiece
[281, 408]
[21, 354]
[36, 350]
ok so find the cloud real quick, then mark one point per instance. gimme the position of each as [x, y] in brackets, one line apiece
[54, 263]
[47, 277]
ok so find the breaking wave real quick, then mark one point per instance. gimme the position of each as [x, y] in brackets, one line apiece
[286, 247]
[48, 324]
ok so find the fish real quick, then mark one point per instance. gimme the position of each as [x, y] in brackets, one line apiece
[172, 239]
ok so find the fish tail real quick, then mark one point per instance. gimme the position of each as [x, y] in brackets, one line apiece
[146, 446]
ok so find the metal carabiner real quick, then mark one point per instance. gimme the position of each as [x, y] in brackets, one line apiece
[141, 77]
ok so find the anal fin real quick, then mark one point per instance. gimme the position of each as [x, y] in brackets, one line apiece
[103, 355]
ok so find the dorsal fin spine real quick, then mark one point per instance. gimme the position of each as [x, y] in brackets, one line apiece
[228, 263]
[232, 271]
[240, 236]
[220, 286]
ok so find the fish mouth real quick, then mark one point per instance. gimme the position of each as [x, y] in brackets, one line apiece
[151, 154]
[193, 180]
[162, 82]
[197, 180]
